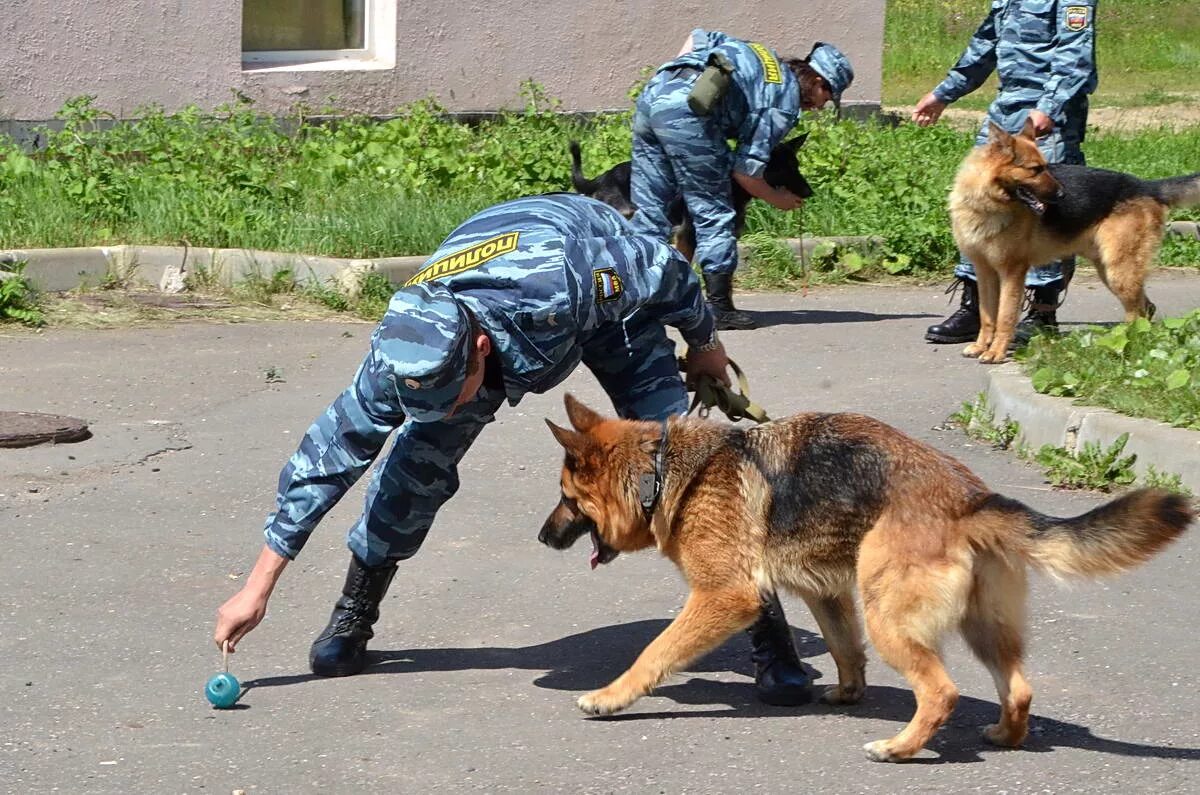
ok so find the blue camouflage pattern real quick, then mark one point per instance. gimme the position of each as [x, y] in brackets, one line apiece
[677, 153]
[576, 285]
[423, 344]
[829, 62]
[1044, 54]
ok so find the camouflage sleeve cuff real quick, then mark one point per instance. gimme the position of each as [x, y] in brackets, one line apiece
[703, 332]
[946, 91]
[749, 165]
[277, 545]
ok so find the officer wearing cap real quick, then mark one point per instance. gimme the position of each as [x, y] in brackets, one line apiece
[511, 303]
[1044, 52]
[720, 88]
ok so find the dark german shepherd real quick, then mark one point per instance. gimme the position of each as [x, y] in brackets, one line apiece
[823, 505]
[612, 188]
[1011, 211]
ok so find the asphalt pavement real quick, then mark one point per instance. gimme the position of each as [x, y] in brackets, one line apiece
[118, 550]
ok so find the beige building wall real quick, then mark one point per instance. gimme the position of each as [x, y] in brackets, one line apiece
[472, 56]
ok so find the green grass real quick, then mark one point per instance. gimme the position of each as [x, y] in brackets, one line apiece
[1143, 369]
[362, 189]
[1144, 49]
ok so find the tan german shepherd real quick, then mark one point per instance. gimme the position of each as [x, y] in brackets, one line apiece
[820, 504]
[1011, 211]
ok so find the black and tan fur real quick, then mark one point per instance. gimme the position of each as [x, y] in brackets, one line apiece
[1011, 211]
[824, 505]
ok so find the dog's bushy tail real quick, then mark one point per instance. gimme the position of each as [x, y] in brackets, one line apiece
[1109, 539]
[1178, 191]
[582, 184]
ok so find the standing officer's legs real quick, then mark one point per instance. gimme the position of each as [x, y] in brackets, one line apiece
[418, 475]
[637, 367]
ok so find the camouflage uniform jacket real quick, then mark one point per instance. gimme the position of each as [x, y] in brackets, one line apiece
[541, 275]
[1043, 50]
[763, 103]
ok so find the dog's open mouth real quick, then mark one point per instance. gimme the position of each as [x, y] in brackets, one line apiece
[601, 552]
[1027, 197]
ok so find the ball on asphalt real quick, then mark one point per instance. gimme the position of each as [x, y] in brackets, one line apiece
[222, 690]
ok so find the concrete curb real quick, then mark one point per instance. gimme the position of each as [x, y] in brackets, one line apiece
[1061, 423]
[62, 269]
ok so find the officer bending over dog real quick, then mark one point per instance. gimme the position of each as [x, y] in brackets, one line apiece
[720, 88]
[511, 303]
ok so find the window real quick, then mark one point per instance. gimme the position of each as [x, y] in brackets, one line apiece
[281, 35]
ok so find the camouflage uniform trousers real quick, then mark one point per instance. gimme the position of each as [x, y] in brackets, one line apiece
[676, 152]
[1062, 145]
[642, 379]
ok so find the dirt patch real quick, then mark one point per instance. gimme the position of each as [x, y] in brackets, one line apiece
[1174, 116]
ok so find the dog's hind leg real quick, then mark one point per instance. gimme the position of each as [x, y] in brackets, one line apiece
[909, 603]
[707, 620]
[993, 628]
[1126, 243]
[837, 616]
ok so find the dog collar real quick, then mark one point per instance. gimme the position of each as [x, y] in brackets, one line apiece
[650, 483]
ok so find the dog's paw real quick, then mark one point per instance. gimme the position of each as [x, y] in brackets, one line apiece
[973, 350]
[992, 357]
[1001, 736]
[604, 702]
[880, 751]
[842, 694]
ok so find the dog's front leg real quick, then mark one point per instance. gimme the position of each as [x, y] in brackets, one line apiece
[707, 619]
[987, 282]
[1011, 286]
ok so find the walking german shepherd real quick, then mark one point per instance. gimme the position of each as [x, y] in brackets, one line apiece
[613, 188]
[819, 504]
[1011, 211]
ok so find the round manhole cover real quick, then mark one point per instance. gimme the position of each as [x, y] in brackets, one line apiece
[27, 428]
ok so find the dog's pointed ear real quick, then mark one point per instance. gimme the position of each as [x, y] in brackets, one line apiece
[572, 441]
[797, 142]
[998, 136]
[1029, 131]
[581, 417]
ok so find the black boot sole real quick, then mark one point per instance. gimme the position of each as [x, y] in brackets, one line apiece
[946, 339]
[330, 671]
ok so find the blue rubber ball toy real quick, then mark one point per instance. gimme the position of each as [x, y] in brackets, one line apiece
[222, 690]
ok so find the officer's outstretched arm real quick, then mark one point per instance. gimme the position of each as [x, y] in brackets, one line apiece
[338, 447]
[974, 65]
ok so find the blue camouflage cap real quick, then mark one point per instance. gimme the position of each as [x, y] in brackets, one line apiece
[423, 344]
[829, 62]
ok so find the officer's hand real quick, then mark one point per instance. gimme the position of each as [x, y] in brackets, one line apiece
[714, 363]
[1042, 124]
[784, 199]
[928, 110]
[242, 613]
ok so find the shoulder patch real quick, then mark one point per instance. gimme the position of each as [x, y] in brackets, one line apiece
[771, 73]
[467, 258]
[608, 285]
[1078, 17]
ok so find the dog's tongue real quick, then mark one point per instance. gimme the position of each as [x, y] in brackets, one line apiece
[595, 556]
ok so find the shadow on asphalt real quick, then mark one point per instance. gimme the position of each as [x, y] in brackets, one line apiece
[591, 659]
[807, 317]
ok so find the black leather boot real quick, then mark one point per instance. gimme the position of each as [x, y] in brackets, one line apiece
[963, 325]
[779, 676]
[719, 287]
[1042, 315]
[341, 648]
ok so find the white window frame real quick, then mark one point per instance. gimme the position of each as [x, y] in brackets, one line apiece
[379, 53]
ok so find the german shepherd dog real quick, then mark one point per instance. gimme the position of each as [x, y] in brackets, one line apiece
[613, 188]
[819, 504]
[1010, 211]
